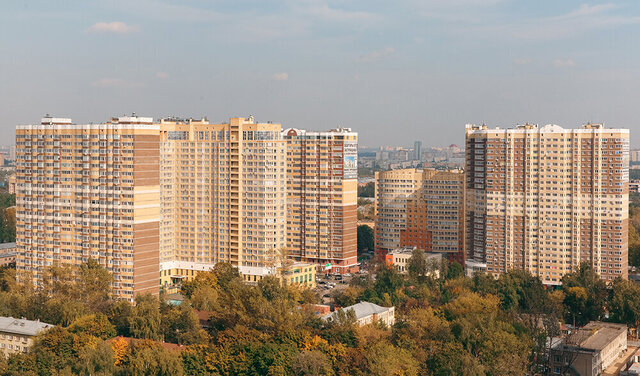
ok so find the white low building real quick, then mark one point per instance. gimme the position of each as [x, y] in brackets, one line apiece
[367, 313]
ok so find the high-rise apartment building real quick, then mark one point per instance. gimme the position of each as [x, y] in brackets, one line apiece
[420, 208]
[223, 196]
[157, 203]
[417, 150]
[89, 191]
[548, 199]
[322, 190]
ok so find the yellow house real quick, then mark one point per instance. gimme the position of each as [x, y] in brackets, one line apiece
[300, 273]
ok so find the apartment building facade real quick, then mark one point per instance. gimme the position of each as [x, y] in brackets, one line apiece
[89, 191]
[223, 196]
[322, 190]
[546, 199]
[420, 208]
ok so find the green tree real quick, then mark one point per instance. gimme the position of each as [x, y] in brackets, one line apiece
[454, 270]
[367, 190]
[145, 321]
[365, 239]
[146, 358]
[625, 303]
[119, 314]
[96, 325]
[585, 295]
[94, 285]
[417, 264]
[180, 325]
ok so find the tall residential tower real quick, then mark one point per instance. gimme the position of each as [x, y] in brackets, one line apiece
[223, 196]
[89, 191]
[322, 190]
[548, 199]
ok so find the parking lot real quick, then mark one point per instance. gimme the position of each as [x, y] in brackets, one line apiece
[327, 285]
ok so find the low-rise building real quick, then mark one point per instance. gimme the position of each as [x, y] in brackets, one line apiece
[12, 184]
[588, 351]
[300, 273]
[16, 335]
[472, 267]
[401, 257]
[367, 313]
[7, 254]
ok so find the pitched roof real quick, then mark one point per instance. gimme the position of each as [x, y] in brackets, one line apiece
[22, 326]
[362, 309]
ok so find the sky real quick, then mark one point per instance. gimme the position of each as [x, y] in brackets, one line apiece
[394, 71]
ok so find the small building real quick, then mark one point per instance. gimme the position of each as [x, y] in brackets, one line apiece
[300, 273]
[588, 351]
[12, 184]
[7, 254]
[175, 298]
[472, 267]
[16, 335]
[367, 313]
[400, 259]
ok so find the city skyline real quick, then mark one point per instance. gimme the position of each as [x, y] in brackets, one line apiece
[419, 67]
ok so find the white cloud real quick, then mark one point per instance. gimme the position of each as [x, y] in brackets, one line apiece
[280, 76]
[522, 61]
[115, 83]
[564, 63]
[376, 55]
[162, 75]
[333, 14]
[588, 10]
[585, 18]
[116, 27]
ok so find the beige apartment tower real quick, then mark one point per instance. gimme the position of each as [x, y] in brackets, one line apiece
[420, 208]
[548, 199]
[89, 191]
[223, 189]
[322, 190]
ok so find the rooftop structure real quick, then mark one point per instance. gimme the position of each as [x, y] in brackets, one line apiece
[367, 313]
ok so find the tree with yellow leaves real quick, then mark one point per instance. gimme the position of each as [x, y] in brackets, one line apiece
[119, 346]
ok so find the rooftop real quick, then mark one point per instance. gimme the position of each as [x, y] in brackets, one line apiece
[22, 326]
[596, 335]
[362, 309]
[7, 246]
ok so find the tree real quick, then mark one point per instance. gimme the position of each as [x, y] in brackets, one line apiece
[367, 190]
[94, 285]
[365, 239]
[119, 314]
[585, 295]
[312, 363]
[180, 325]
[146, 358]
[455, 270]
[625, 303]
[145, 320]
[119, 347]
[417, 264]
[96, 325]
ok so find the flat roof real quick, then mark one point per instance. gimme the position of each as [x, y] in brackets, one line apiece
[596, 335]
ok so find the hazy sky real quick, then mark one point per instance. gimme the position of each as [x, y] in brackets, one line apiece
[395, 71]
